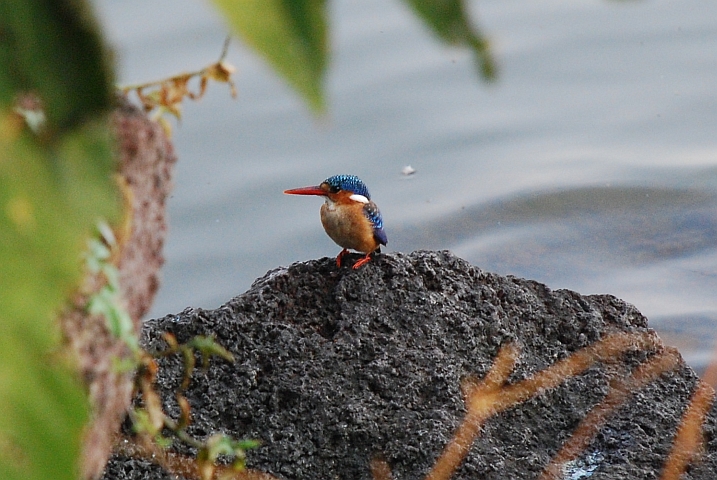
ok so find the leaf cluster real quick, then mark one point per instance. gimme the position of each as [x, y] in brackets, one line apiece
[166, 96]
[151, 422]
[292, 35]
[107, 300]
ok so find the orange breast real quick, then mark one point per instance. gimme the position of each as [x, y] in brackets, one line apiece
[347, 225]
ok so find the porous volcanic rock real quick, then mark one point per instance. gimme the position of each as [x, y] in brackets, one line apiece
[337, 366]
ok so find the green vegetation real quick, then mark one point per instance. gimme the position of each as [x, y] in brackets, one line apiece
[292, 35]
[54, 184]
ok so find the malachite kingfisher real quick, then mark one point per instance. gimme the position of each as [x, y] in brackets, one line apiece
[348, 215]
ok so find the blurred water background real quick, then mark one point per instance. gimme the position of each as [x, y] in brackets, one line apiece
[591, 164]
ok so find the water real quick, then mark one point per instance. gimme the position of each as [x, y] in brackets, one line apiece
[590, 165]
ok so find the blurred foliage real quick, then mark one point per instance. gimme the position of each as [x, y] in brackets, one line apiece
[107, 301]
[292, 35]
[55, 181]
[52, 48]
[450, 21]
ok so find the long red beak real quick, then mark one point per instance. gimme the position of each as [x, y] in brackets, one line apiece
[307, 191]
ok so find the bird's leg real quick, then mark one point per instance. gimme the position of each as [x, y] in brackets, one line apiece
[362, 260]
[340, 257]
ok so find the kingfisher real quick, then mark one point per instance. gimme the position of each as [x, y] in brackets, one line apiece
[348, 215]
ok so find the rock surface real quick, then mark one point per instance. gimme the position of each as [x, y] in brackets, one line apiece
[336, 366]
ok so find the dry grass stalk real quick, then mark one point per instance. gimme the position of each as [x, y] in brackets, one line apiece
[688, 440]
[620, 391]
[490, 397]
[480, 407]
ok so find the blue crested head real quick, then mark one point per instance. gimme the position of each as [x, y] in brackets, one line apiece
[349, 183]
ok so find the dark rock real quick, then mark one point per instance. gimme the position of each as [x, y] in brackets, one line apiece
[335, 366]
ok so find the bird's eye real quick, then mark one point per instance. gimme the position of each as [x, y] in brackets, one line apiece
[334, 189]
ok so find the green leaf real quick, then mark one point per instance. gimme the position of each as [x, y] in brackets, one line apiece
[290, 34]
[97, 252]
[208, 346]
[247, 444]
[221, 444]
[48, 204]
[52, 47]
[54, 184]
[44, 410]
[449, 20]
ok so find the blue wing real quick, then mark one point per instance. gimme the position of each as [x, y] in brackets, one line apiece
[374, 215]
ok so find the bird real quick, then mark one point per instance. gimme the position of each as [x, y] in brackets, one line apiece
[348, 215]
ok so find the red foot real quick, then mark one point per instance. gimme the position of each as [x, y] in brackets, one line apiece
[362, 261]
[340, 257]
